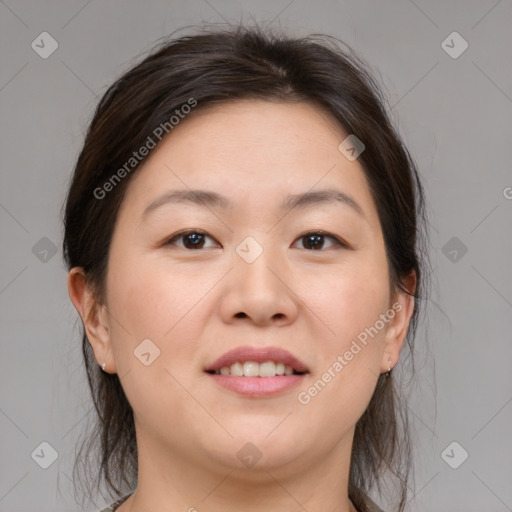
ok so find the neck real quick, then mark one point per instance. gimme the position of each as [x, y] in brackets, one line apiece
[177, 482]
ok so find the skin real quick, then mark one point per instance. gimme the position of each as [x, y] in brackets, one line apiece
[314, 303]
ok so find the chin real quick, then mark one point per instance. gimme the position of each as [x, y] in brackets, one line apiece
[254, 451]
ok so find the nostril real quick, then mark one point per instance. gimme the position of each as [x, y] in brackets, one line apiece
[241, 315]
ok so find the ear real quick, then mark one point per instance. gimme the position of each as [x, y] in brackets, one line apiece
[403, 306]
[94, 317]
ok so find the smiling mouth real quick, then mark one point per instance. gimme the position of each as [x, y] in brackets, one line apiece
[257, 370]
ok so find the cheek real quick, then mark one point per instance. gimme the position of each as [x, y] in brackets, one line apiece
[150, 299]
[348, 367]
[168, 306]
[350, 351]
[150, 303]
[350, 302]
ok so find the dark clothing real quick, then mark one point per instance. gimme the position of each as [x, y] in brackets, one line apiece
[370, 505]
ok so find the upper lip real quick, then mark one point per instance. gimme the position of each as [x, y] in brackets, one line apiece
[258, 355]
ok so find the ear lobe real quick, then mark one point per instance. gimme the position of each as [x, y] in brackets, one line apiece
[403, 305]
[94, 315]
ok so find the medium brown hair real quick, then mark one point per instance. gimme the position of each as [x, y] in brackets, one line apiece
[212, 67]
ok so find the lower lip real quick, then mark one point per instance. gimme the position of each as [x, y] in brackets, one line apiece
[258, 387]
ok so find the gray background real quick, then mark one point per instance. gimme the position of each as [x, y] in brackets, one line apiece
[455, 116]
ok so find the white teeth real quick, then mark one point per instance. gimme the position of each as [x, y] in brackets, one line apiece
[237, 369]
[253, 369]
[267, 369]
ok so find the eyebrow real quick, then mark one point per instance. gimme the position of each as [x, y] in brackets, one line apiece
[211, 199]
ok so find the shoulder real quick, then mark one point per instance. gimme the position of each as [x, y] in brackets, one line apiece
[363, 503]
[371, 506]
[113, 506]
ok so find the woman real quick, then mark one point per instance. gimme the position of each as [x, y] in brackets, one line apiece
[241, 239]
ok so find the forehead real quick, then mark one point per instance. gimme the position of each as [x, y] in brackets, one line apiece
[254, 150]
[262, 129]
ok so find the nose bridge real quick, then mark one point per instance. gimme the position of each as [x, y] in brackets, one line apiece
[257, 284]
[253, 263]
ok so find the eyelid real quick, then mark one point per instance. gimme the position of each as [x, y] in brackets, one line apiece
[339, 242]
[179, 234]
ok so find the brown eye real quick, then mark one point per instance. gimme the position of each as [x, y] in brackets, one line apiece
[317, 240]
[192, 240]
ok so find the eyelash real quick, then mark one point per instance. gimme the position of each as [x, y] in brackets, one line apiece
[337, 242]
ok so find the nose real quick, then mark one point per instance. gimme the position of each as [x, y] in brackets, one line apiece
[259, 293]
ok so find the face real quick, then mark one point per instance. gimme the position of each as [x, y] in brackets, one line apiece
[291, 257]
